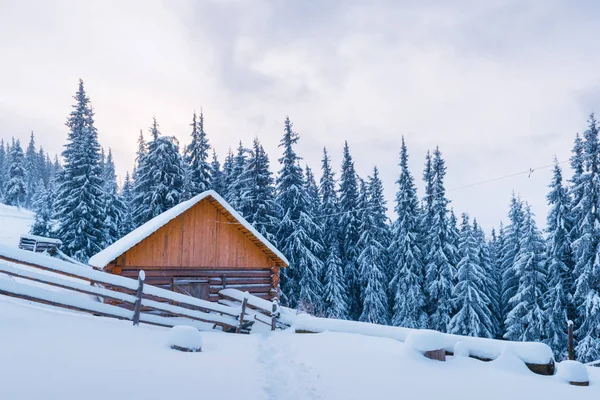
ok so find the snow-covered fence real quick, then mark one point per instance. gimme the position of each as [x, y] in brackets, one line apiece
[269, 313]
[537, 356]
[200, 313]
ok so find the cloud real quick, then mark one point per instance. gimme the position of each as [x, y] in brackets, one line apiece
[501, 86]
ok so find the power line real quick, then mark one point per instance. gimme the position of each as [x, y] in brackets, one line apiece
[528, 172]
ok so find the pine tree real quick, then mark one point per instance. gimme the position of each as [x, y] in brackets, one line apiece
[512, 235]
[3, 167]
[525, 320]
[472, 317]
[405, 254]
[300, 283]
[228, 177]
[127, 224]
[560, 264]
[576, 189]
[32, 172]
[216, 175]
[334, 290]
[334, 296]
[258, 193]
[196, 157]
[586, 249]
[495, 245]
[114, 208]
[492, 286]
[373, 259]
[42, 205]
[439, 270]
[79, 199]
[349, 232]
[15, 187]
[237, 187]
[160, 184]
[43, 166]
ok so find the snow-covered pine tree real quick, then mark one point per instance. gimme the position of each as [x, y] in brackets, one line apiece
[334, 287]
[576, 187]
[525, 320]
[228, 177]
[196, 157]
[373, 259]
[161, 174]
[295, 236]
[15, 186]
[3, 167]
[472, 316]
[335, 297]
[496, 244]
[406, 259]
[258, 203]
[349, 232]
[439, 271]
[114, 208]
[586, 249]
[492, 286]
[42, 205]
[139, 155]
[78, 205]
[237, 187]
[216, 175]
[557, 300]
[510, 249]
[32, 171]
[44, 166]
[127, 224]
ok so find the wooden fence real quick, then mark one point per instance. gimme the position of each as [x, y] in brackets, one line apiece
[143, 303]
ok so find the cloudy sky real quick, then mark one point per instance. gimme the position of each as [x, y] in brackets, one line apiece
[500, 85]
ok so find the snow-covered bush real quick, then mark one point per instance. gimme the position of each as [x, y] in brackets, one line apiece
[185, 338]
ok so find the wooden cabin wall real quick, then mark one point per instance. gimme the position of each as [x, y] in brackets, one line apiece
[201, 237]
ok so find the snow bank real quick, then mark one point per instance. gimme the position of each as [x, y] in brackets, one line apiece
[185, 338]
[104, 257]
[490, 349]
[425, 340]
[15, 222]
[572, 371]
[461, 350]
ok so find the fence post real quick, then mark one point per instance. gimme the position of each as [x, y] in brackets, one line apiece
[274, 313]
[138, 298]
[244, 304]
[570, 344]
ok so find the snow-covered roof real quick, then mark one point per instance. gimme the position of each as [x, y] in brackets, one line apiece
[103, 258]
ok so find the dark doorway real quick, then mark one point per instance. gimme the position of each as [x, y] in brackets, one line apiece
[199, 288]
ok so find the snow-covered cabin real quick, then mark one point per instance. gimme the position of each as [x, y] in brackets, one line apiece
[197, 248]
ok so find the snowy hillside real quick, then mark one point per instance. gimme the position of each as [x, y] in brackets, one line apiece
[76, 356]
[13, 223]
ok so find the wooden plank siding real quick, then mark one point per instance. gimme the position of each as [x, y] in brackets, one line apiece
[204, 243]
[201, 237]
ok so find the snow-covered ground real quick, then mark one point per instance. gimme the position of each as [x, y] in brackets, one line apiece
[14, 222]
[47, 353]
[53, 354]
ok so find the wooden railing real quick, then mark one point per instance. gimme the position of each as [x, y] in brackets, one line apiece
[144, 303]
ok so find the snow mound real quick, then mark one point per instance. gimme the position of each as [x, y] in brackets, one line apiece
[425, 340]
[509, 361]
[461, 350]
[572, 371]
[185, 338]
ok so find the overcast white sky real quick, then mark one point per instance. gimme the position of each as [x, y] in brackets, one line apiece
[500, 85]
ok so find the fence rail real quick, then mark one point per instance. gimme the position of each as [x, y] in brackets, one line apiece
[148, 304]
